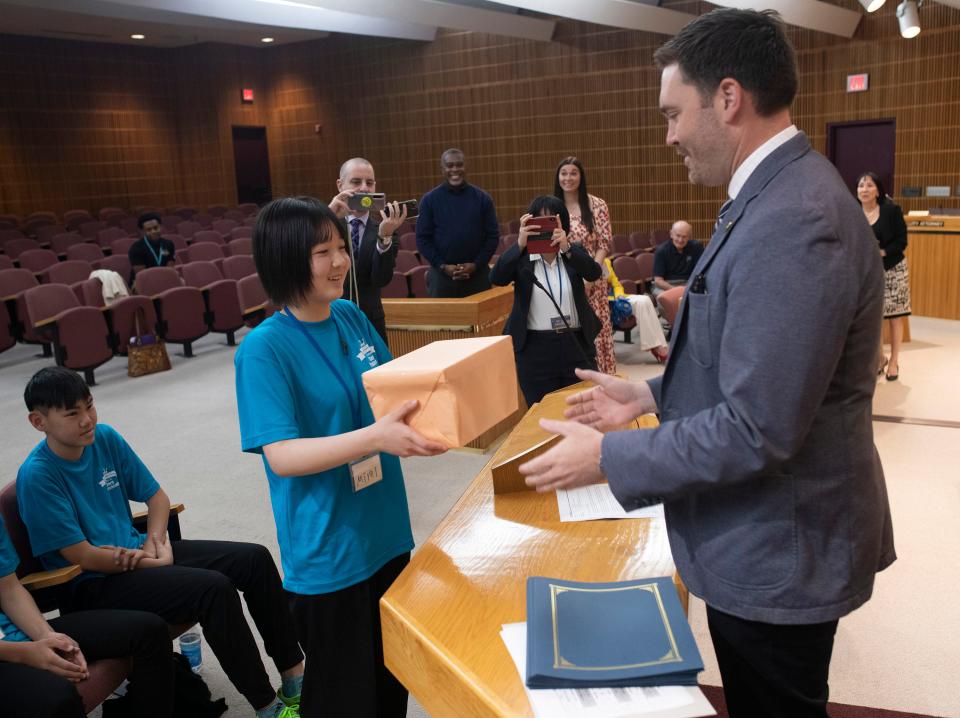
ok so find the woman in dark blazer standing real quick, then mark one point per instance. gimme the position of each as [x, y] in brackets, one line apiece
[886, 219]
[547, 353]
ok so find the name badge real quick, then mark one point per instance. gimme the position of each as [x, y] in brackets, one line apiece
[558, 323]
[365, 472]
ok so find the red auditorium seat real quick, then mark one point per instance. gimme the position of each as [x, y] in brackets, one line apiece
[217, 210]
[7, 339]
[79, 334]
[180, 310]
[223, 226]
[238, 266]
[106, 236]
[11, 221]
[241, 232]
[106, 212]
[204, 252]
[60, 242]
[220, 295]
[235, 214]
[670, 303]
[91, 229]
[129, 225]
[43, 214]
[37, 260]
[408, 241]
[406, 261]
[204, 219]
[13, 284]
[640, 241]
[398, 288]
[185, 212]
[621, 244]
[254, 301]
[210, 236]
[119, 263]
[188, 228]
[71, 272]
[13, 248]
[122, 246]
[659, 236]
[86, 251]
[418, 281]
[120, 314]
[248, 208]
[628, 269]
[46, 233]
[73, 218]
[9, 233]
[241, 245]
[5, 262]
[645, 264]
[31, 226]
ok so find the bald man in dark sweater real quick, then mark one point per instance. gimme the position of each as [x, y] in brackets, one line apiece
[457, 232]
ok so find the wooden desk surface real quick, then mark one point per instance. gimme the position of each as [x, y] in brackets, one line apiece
[442, 616]
[476, 310]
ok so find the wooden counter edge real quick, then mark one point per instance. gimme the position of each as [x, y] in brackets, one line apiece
[405, 647]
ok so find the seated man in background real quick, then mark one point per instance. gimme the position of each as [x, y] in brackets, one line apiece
[40, 662]
[151, 250]
[74, 491]
[674, 260]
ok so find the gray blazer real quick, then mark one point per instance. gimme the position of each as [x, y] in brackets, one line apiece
[774, 494]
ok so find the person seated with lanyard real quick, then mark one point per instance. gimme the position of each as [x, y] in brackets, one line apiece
[549, 343]
[151, 250]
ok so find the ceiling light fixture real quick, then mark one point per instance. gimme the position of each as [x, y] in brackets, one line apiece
[872, 5]
[138, 36]
[908, 16]
[266, 39]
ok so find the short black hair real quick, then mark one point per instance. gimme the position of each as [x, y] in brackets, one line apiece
[55, 387]
[284, 236]
[146, 217]
[881, 190]
[548, 204]
[749, 46]
[451, 151]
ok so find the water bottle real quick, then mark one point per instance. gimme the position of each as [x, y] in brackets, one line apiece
[190, 648]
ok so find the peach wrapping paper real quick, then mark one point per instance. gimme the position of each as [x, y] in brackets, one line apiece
[464, 386]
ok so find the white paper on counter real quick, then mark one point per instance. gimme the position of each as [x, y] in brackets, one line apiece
[596, 502]
[651, 702]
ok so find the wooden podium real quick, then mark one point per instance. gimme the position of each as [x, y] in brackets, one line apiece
[413, 323]
[933, 255]
[442, 616]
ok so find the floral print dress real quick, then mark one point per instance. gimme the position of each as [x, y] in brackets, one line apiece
[600, 238]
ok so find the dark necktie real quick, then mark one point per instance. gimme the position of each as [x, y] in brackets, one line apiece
[355, 225]
[723, 210]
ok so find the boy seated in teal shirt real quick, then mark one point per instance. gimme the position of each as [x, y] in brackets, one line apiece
[74, 491]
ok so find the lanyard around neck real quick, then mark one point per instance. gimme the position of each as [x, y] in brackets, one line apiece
[546, 275]
[352, 397]
[158, 255]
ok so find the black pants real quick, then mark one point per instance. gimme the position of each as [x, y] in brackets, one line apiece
[776, 671]
[340, 633]
[202, 586]
[34, 692]
[547, 362]
[440, 286]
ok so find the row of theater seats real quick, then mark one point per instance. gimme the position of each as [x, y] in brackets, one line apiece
[72, 322]
[75, 219]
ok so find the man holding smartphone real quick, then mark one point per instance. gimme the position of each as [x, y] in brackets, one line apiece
[457, 232]
[374, 244]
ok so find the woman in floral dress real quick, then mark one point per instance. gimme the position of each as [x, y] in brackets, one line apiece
[589, 226]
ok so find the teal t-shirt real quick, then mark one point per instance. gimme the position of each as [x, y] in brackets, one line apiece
[8, 564]
[64, 502]
[330, 536]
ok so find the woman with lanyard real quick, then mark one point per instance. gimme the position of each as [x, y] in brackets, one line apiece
[549, 344]
[335, 481]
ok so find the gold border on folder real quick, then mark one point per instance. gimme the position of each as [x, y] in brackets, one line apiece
[671, 656]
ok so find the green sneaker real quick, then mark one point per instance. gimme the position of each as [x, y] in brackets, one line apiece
[292, 711]
[288, 702]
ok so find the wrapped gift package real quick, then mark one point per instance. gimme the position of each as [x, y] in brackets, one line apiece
[465, 387]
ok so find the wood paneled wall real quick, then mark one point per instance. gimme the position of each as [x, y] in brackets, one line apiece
[92, 125]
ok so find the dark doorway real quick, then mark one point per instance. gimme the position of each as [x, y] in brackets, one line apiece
[855, 147]
[252, 164]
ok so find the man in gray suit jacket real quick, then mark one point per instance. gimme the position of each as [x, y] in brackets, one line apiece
[374, 244]
[774, 494]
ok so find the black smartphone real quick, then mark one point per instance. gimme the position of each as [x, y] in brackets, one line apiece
[367, 201]
[410, 204]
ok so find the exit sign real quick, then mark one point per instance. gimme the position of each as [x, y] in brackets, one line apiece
[858, 83]
[246, 96]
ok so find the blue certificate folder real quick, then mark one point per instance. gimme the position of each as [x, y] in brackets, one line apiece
[595, 635]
